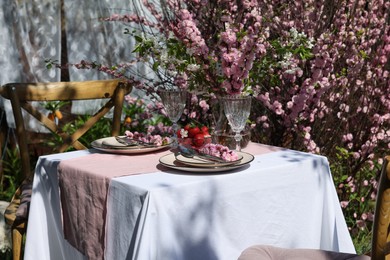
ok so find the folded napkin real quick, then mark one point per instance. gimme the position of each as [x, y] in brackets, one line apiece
[84, 184]
[112, 142]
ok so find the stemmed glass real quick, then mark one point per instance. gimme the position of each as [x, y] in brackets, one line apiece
[237, 110]
[174, 101]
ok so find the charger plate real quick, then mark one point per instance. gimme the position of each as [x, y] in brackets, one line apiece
[170, 161]
[101, 145]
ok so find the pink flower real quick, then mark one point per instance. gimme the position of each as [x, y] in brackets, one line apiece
[361, 224]
[344, 204]
[228, 37]
[203, 104]
[192, 114]
[220, 151]
[277, 107]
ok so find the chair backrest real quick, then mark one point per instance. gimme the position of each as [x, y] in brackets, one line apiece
[21, 94]
[381, 229]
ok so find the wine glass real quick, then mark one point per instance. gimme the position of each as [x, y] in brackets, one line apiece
[237, 110]
[174, 101]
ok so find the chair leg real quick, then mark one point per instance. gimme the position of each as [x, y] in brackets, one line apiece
[17, 237]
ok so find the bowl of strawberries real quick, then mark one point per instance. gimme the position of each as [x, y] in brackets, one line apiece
[194, 135]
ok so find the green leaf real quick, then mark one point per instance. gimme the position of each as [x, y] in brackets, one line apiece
[155, 65]
[138, 38]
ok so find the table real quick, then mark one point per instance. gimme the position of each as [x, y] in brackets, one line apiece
[283, 198]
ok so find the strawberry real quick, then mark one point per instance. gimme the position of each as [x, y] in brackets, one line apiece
[186, 141]
[205, 130]
[198, 140]
[193, 131]
[178, 133]
[187, 127]
[207, 138]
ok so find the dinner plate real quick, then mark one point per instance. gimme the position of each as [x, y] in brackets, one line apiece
[200, 162]
[99, 144]
[170, 161]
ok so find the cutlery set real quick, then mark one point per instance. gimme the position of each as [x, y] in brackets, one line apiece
[185, 151]
[133, 142]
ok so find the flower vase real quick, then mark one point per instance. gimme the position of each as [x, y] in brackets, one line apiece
[222, 132]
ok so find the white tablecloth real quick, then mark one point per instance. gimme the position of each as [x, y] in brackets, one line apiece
[284, 198]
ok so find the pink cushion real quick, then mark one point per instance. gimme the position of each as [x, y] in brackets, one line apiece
[264, 252]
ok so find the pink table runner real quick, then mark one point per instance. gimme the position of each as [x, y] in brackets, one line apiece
[84, 183]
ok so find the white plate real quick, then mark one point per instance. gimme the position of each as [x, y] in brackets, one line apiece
[199, 162]
[98, 145]
[170, 161]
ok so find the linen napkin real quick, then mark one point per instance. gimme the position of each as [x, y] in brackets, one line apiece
[83, 184]
[112, 142]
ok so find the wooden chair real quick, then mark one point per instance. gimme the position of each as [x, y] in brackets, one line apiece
[381, 231]
[380, 241]
[20, 95]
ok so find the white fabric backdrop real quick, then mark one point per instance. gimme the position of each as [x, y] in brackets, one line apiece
[90, 39]
[27, 38]
[31, 32]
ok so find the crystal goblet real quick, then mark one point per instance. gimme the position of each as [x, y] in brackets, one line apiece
[237, 110]
[174, 102]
